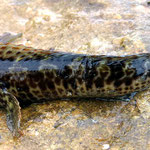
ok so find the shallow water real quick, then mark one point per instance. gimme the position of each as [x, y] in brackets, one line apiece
[112, 27]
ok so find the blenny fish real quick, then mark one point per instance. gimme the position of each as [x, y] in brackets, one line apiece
[30, 75]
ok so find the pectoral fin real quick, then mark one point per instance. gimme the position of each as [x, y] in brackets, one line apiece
[13, 112]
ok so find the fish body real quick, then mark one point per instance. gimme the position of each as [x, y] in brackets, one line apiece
[30, 75]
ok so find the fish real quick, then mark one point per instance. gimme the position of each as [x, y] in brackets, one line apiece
[29, 75]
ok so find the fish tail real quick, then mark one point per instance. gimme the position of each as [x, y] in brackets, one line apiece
[13, 112]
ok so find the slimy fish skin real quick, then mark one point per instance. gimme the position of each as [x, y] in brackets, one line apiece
[30, 75]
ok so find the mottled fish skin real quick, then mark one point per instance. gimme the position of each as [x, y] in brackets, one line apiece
[32, 75]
